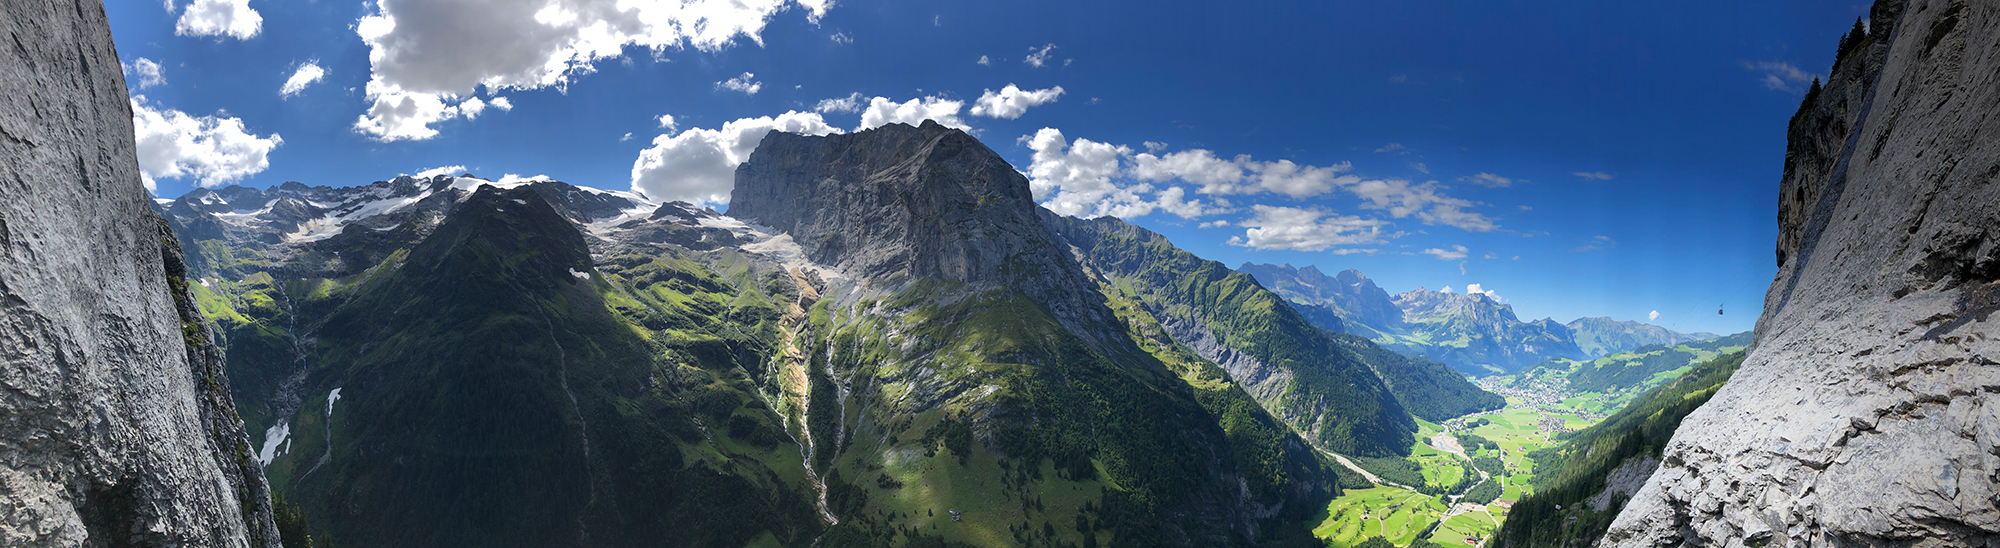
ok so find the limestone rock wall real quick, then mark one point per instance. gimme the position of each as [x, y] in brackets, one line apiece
[115, 429]
[900, 203]
[1865, 414]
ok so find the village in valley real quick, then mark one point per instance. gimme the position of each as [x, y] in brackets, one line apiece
[1459, 458]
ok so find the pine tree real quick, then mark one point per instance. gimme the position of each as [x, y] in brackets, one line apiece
[1851, 39]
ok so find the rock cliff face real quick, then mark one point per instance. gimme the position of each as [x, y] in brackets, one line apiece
[902, 203]
[1865, 415]
[1347, 302]
[115, 428]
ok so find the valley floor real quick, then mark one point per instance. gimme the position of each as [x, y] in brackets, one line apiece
[1403, 515]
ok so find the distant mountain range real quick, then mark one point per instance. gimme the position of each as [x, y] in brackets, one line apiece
[1471, 332]
[885, 342]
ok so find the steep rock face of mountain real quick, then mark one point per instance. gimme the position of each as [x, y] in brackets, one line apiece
[1361, 307]
[118, 430]
[1298, 372]
[1602, 336]
[957, 357]
[1477, 334]
[1864, 414]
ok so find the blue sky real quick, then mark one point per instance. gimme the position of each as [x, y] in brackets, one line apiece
[1574, 158]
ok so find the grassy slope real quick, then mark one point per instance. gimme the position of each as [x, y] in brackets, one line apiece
[1332, 395]
[1608, 383]
[1039, 438]
[1576, 470]
[454, 427]
[1430, 390]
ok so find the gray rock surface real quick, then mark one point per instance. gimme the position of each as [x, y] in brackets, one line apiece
[899, 203]
[1865, 415]
[114, 427]
[866, 204]
[1624, 480]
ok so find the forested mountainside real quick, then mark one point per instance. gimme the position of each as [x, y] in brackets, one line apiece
[1607, 383]
[885, 343]
[1581, 485]
[1230, 319]
[1471, 332]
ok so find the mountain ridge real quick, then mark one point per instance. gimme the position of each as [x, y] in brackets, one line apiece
[1472, 332]
[848, 391]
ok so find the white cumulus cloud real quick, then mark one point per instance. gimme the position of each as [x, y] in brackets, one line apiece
[741, 83]
[1039, 56]
[1076, 177]
[1782, 76]
[1306, 229]
[144, 73]
[471, 108]
[699, 165]
[1239, 175]
[232, 18]
[306, 75]
[984, 60]
[881, 111]
[213, 150]
[1453, 253]
[1652, 316]
[1118, 176]
[1474, 289]
[851, 103]
[1011, 102]
[1488, 180]
[1425, 201]
[425, 56]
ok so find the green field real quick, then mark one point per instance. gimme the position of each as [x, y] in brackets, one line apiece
[1400, 514]
[1389, 512]
[1477, 525]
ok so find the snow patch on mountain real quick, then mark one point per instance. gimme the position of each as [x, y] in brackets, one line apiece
[274, 438]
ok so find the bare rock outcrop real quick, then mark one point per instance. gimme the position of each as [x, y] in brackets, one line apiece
[900, 203]
[1865, 413]
[115, 428]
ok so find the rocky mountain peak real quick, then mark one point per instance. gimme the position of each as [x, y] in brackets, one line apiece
[897, 202]
[1353, 277]
[1476, 306]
